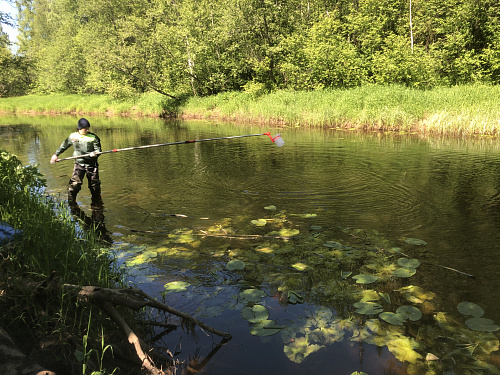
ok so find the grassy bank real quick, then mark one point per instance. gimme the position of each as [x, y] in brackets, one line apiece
[466, 110]
[49, 250]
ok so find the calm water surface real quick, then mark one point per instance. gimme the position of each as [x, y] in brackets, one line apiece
[322, 182]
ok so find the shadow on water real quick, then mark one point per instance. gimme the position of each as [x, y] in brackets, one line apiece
[93, 222]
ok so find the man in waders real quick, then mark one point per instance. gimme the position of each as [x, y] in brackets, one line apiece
[84, 142]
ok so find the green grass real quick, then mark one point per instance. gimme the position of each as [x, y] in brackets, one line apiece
[148, 104]
[50, 250]
[462, 109]
[468, 109]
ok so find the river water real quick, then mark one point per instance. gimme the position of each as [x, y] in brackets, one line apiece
[181, 213]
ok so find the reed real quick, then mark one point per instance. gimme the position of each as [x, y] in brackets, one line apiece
[466, 109]
[461, 109]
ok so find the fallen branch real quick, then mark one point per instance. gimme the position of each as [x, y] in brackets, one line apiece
[135, 299]
[439, 265]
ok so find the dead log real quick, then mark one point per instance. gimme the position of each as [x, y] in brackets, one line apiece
[135, 299]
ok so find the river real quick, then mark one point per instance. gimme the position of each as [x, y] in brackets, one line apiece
[303, 219]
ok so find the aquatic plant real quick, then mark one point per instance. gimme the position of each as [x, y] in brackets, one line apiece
[359, 280]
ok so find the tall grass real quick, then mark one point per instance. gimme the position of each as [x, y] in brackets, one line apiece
[467, 109]
[50, 249]
[148, 104]
[462, 109]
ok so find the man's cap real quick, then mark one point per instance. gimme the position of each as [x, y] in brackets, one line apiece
[83, 123]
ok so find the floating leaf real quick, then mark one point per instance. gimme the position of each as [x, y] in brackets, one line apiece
[367, 295]
[299, 349]
[415, 241]
[404, 272]
[289, 232]
[299, 266]
[395, 249]
[481, 324]
[409, 312]
[408, 263]
[265, 328]
[365, 279]
[259, 222]
[138, 260]
[255, 314]
[252, 295]
[176, 286]
[294, 298]
[368, 308]
[271, 208]
[470, 308]
[212, 311]
[235, 264]
[403, 349]
[305, 216]
[392, 318]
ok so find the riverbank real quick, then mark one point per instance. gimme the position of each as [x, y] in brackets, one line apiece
[459, 110]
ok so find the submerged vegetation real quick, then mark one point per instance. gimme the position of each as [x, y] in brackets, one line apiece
[357, 286]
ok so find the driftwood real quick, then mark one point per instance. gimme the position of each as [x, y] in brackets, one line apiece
[134, 299]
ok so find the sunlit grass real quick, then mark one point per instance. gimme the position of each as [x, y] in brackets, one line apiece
[468, 109]
[461, 109]
[148, 104]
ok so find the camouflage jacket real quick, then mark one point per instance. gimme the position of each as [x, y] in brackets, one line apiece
[82, 144]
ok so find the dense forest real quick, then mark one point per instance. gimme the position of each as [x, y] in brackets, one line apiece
[203, 47]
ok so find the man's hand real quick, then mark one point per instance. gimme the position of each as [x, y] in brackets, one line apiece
[92, 154]
[53, 159]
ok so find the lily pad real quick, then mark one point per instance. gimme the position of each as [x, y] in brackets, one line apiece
[409, 312]
[235, 264]
[259, 222]
[212, 311]
[404, 272]
[368, 308]
[365, 279]
[415, 241]
[299, 266]
[289, 232]
[265, 328]
[252, 295]
[299, 349]
[408, 263]
[176, 286]
[294, 298]
[271, 208]
[255, 314]
[481, 324]
[392, 318]
[470, 308]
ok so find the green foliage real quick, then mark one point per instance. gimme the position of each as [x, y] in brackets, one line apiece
[48, 233]
[206, 47]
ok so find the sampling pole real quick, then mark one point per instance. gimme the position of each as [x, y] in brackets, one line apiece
[277, 140]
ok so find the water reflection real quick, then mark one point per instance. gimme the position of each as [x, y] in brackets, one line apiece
[167, 200]
[94, 222]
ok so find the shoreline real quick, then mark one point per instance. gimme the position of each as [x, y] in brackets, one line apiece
[459, 111]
